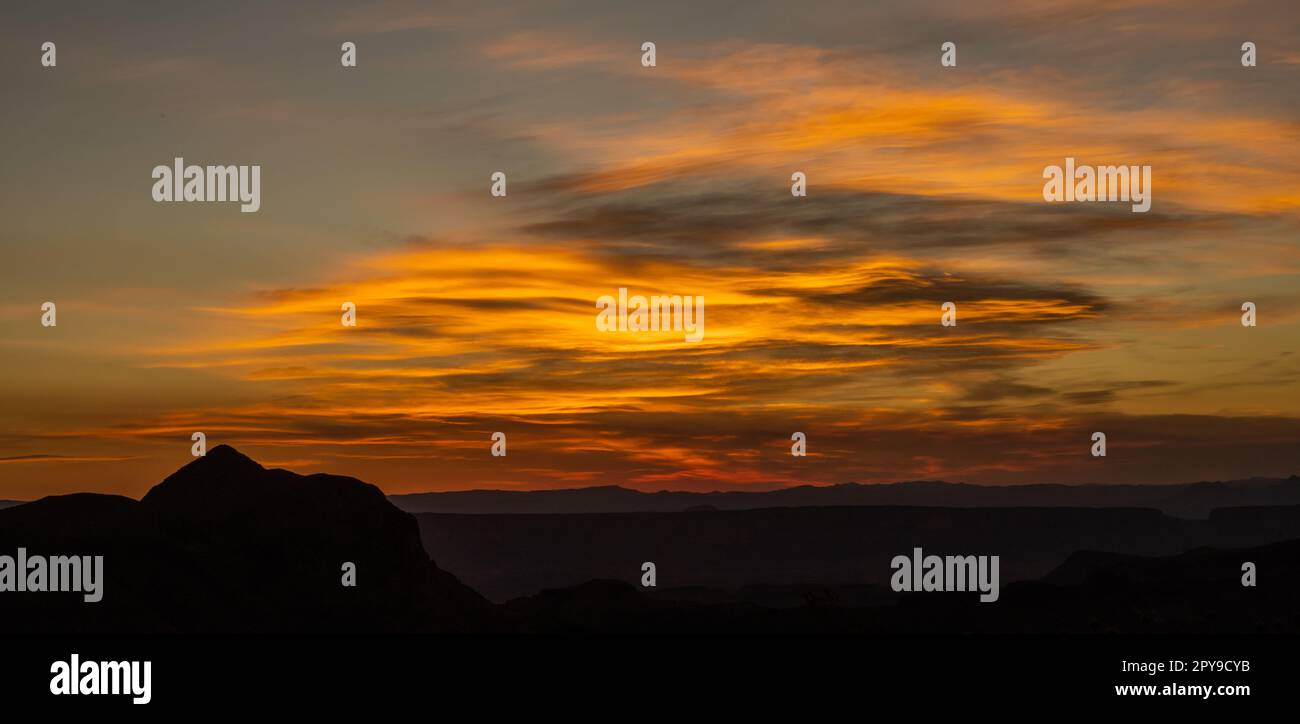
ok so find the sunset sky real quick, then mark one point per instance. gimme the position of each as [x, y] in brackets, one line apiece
[476, 314]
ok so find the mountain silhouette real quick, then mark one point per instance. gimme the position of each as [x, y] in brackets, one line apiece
[1192, 500]
[224, 544]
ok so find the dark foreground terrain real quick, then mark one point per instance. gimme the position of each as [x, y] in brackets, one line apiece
[507, 556]
[224, 545]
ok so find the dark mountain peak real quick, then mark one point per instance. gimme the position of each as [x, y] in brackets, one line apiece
[226, 460]
[226, 482]
[219, 479]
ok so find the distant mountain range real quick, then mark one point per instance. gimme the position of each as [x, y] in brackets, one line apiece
[1192, 500]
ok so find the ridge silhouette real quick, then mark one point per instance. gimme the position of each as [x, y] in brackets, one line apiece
[1188, 500]
[224, 544]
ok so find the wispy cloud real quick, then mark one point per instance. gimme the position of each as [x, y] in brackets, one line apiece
[476, 315]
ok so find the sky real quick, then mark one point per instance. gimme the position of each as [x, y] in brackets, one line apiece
[476, 314]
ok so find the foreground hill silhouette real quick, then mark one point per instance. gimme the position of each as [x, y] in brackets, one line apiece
[224, 544]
